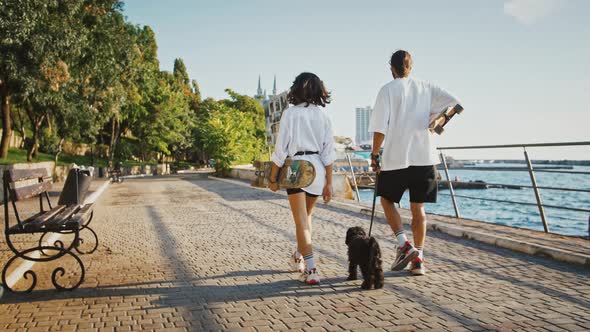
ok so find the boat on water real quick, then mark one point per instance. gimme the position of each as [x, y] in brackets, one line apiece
[478, 184]
[366, 180]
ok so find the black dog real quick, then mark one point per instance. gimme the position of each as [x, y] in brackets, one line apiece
[364, 251]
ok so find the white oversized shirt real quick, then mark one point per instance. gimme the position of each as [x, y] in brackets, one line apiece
[402, 112]
[306, 129]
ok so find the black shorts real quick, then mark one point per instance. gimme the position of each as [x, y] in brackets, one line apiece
[420, 180]
[299, 190]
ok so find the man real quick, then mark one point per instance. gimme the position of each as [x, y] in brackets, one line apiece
[400, 122]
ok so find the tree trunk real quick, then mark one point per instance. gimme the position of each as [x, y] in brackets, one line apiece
[115, 130]
[22, 130]
[36, 122]
[59, 149]
[6, 127]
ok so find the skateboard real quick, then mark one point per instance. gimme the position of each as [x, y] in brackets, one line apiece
[445, 115]
[293, 174]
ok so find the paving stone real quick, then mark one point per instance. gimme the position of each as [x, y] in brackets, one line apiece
[180, 253]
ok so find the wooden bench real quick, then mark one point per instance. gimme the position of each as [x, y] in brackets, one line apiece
[68, 217]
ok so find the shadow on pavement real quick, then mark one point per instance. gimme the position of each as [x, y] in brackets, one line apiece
[224, 190]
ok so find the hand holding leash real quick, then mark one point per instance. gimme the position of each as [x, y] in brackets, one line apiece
[375, 165]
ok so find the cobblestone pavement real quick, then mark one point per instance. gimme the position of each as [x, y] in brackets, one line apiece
[191, 254]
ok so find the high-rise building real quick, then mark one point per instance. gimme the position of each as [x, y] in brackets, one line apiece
[363, 117]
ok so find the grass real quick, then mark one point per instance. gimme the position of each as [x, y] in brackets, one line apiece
[128, 163]
[19, 156]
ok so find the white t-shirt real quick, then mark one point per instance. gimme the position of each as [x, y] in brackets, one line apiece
[306, 129]
[402, 112]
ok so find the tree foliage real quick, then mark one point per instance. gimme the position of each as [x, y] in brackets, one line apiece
[77, 70]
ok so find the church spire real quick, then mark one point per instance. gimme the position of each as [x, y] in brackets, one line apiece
[274, 86]
[259, 91]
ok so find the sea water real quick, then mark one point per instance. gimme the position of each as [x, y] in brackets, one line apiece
[560, 221]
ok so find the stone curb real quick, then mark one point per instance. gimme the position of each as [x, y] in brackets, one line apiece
[498, 241]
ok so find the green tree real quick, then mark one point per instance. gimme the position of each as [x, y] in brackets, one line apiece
[196, 100]
[165, 129]
[20, 33]
[230, 130]
[180, 72]
[42, 44]
[255, 111]
[145, 77]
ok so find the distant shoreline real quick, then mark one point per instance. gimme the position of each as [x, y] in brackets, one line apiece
[540, 161]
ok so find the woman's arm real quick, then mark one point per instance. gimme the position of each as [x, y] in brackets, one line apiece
[327, 192]
[328, 155]
[282, 145]
[274, 174]
[281, 151]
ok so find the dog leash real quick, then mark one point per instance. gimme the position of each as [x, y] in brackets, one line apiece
[374, 200]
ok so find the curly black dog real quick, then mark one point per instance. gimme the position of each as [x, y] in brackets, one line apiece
[364, 251]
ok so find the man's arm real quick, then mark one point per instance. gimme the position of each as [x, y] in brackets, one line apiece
[378, 139]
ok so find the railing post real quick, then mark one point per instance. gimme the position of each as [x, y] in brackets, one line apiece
[444, 161]
[356, 188]
[536, 190]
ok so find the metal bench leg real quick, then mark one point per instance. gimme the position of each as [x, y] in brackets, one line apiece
[82, 240]
[57, 272]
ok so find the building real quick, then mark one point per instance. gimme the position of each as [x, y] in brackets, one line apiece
[274, 105]
[261, 94]
[363, 117]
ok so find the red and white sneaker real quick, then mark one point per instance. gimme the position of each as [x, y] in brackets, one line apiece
[311, 277]
[296, 263]
[405, 255]
[417, 267]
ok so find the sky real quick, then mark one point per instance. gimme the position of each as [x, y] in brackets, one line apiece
[520, 67]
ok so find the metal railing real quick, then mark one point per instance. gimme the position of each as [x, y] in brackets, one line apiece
[529, 167]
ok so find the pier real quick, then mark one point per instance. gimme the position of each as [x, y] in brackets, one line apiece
[191, 253]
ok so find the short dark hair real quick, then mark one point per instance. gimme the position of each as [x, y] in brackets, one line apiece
[402, 62]
[308, 88]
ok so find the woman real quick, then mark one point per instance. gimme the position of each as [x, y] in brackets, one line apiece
[305, 132]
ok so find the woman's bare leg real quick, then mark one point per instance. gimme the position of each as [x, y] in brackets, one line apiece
[309, 205]
[302, 222]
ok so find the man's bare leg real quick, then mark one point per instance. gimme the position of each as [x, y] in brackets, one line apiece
[418, 224]
[405, 252]
[419, 231]
[392, 215]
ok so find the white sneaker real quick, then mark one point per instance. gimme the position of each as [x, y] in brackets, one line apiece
[311, 277]
[404, 256]
[296, 264]
[417, 267]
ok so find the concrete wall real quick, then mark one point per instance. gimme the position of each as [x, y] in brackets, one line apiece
[77, 149]
[15, 140]
[60, 173]
[243, 172]
[48, 165]
[71, 148]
